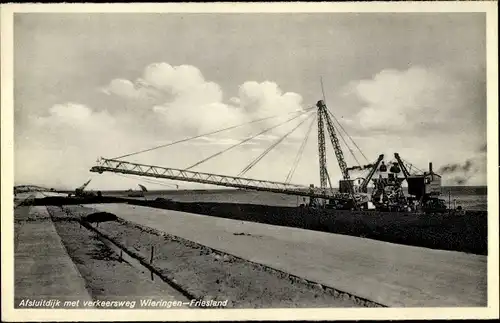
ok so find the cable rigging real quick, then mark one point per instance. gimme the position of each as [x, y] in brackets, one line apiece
[265, 152]
[245, 140]
[300, 152]
[359, 149]
[348, 147]
[325, 125]
[411, 165]
[205, 134]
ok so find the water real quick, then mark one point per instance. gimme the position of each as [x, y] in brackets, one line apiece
[472, 198]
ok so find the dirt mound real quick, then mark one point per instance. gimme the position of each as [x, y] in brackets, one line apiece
[100, 217]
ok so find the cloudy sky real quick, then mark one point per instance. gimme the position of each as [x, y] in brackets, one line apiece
[91, 85]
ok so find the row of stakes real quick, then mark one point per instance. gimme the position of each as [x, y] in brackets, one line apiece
[121, 251]
[150, 260]
[121, 254]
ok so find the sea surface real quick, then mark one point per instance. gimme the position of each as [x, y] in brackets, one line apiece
[472, 198]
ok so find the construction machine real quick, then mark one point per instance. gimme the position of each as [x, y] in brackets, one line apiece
[423, 188]
[138, 193]
[81, 192]
[352, 194]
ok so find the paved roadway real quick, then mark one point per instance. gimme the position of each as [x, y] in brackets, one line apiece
[391, 274]
[43, 269]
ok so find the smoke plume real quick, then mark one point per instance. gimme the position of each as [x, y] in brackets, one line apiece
[360, 167]
[452, 168]
[460, 173]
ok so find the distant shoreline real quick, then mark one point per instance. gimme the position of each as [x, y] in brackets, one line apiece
[468, 190]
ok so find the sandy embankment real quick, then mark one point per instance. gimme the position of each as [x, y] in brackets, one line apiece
[207, 274]
[57, 259]
[106, 276]
[42, 267]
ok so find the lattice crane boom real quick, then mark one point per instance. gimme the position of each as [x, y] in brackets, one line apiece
[186, 175]
[406, 173]
[335, 141]
[323, 174]
[119, 166]
[363, 187]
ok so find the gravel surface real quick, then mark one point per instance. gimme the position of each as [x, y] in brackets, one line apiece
[211, 275]
[106, 277]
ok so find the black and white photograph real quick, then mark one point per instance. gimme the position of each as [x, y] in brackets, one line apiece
[177, 162]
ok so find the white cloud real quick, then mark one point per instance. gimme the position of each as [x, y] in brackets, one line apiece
[265, 97]
[173, 102]
[75, 115]
[417, 98]
[188, 104]
[424, 114]
[58, 148]
[176, 79]
[169, 103]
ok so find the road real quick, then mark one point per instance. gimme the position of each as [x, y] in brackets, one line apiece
[43, 269]
[62, 261]
[390, 274]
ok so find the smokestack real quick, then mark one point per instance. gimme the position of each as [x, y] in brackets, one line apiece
[430, 168]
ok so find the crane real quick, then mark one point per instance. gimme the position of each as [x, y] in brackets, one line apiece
[79, 190]
[406, 173]
[116, 165]
[364, 185]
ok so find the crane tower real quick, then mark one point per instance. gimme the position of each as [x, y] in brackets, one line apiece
[324, 117]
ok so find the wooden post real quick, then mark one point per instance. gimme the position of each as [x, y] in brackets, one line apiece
[449, 201]
[151, 260]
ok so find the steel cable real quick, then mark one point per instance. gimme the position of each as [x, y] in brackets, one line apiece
[205, 134]
[359, 149]
[345, 143]
[245, 140]
[300, 152]
[265, 152]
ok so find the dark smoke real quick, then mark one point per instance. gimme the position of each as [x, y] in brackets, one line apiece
[463, 172]
[452, 168]
[368, 166]
[360, 167]
[467, 166]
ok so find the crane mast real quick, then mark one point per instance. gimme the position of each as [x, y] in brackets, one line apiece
[346, 199]
[120, 166]
[323, 174]
[322, 117]
[333, 138]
